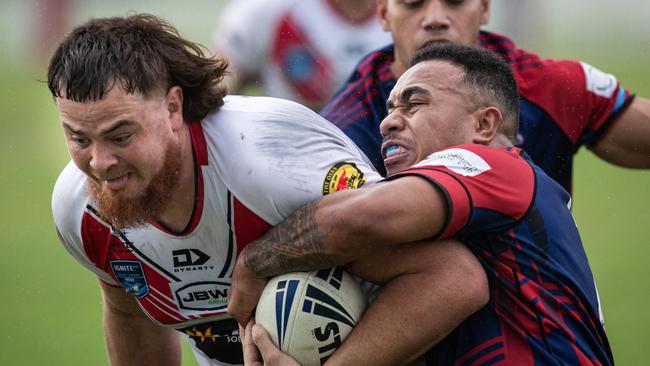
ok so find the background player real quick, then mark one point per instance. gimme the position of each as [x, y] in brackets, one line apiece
[169, 180]
[453, 172]
[302, 50]
[564, 104]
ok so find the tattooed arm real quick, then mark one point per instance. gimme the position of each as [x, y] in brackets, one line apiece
[362, 227]
[336, 230]
[348, 225]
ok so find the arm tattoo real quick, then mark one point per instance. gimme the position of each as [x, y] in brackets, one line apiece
[293, 245]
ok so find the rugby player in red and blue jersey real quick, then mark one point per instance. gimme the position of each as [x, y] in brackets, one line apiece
[453, 173]
[564, 104]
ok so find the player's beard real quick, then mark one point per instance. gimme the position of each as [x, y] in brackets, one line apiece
[124, 211]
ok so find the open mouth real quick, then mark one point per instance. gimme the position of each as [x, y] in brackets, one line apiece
[116, 183]
[393, 152]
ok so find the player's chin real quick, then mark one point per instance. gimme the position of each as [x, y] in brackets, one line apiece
[396, 165]
[390, 171]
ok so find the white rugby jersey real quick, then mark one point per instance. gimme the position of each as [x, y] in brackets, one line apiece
[260, 159]
[302, 50]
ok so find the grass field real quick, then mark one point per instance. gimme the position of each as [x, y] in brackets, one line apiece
[51, 307]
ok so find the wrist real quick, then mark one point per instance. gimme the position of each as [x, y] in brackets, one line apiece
[242, 267]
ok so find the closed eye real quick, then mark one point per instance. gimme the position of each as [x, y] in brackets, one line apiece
[122, 139]
[413, 4]
[454, 2]
[411, 105]
[80, 141]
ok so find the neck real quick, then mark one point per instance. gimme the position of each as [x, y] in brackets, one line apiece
[355, 11]
[397, 68]
[500, 140]
[179, 211]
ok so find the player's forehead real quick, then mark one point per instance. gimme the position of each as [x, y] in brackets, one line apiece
[115, 104]
[426, 77]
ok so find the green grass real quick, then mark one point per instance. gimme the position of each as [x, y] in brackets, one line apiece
[611, 209]
[51, 307]
[611, 206]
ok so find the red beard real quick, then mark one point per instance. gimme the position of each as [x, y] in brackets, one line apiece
[123, 211]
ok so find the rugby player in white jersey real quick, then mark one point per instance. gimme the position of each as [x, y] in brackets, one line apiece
[170, 179]
[301, 50]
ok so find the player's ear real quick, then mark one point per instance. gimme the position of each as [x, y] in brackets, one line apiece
[485, 12]
[488, 122]
[174, 105]
[382, 10]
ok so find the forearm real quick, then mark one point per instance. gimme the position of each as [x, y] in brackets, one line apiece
[348, 225]
[133, 339]
[436, 293]
[294, 245]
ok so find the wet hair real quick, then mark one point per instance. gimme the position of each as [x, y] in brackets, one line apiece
[486, 73]
[139, 53]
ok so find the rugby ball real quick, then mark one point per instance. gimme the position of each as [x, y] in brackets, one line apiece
[309, 314]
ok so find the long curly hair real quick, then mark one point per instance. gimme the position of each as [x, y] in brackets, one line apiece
[140, 53]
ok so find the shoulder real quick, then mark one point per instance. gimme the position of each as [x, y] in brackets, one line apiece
[69, 202]
[239, 103]
[474, 159]
[486, 188]
[499, 179]
[275, 155]
[528, 67]
[274, 114]
[69, 208]
[261, 124]
[536, 75]
[69, 198]
[577, 96]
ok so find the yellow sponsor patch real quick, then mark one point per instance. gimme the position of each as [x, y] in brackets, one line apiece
[343, 176]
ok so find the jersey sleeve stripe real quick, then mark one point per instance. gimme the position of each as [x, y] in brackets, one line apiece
[591, 138]
[459, 202]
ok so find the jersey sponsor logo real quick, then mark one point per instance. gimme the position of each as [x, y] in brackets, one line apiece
[219, 340]
[206, 295]
[130, 275]
[343, 176]
[186, 260]
[599, 82]
[460, 161]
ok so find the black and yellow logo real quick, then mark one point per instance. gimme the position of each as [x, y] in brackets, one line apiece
[343, 176]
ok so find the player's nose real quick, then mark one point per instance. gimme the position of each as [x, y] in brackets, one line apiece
[392, 123]
[436, 15]
[102, 158]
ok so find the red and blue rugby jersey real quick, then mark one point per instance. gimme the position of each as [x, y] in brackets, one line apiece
[564, 105]
[543, 307]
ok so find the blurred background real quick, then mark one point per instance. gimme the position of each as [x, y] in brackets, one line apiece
[51, 307]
